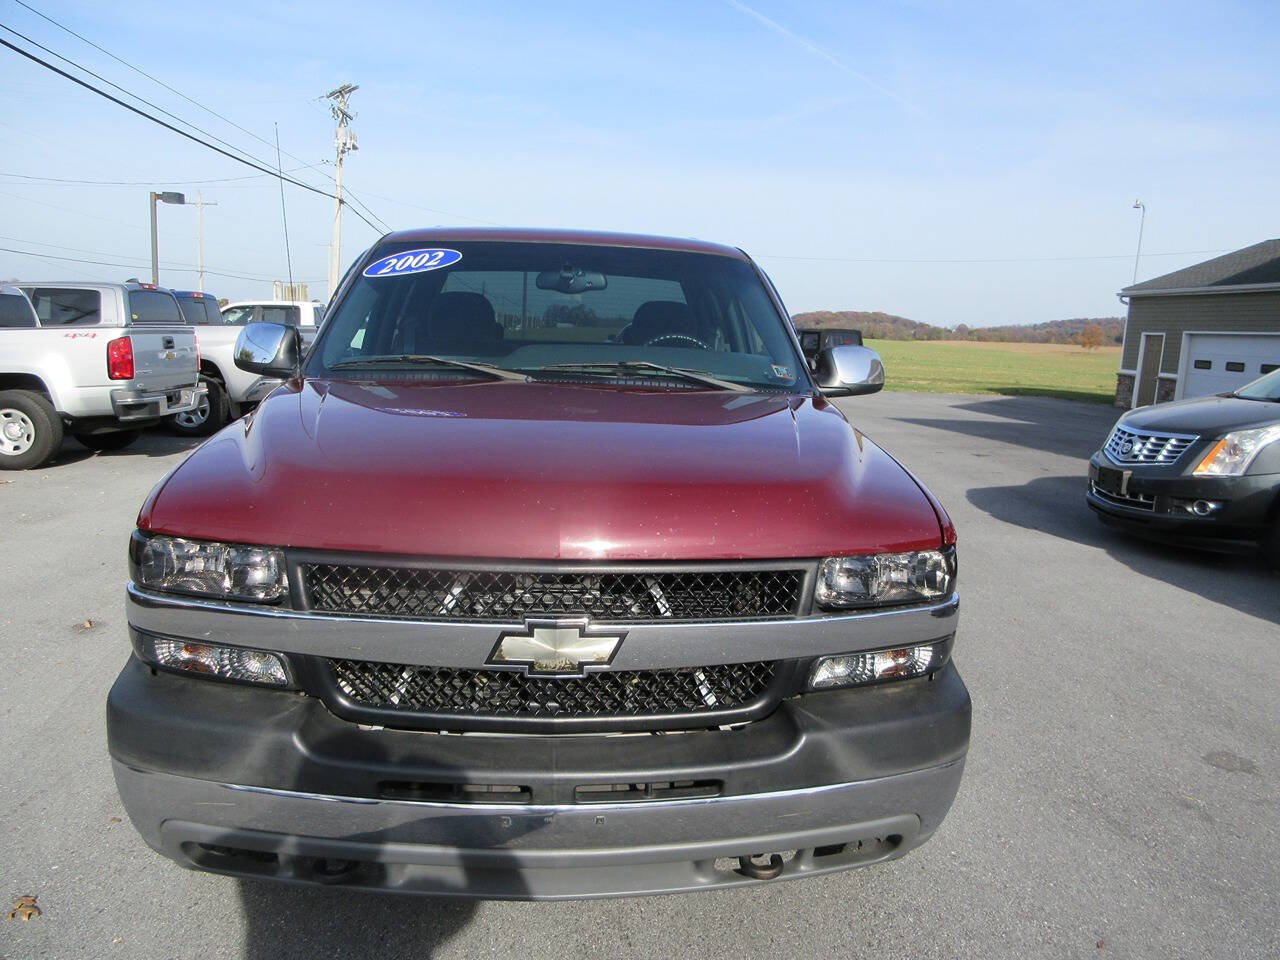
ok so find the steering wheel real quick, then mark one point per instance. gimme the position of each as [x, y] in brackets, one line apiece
[682, 338]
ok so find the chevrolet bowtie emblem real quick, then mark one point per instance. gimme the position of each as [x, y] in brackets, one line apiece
[557, 647]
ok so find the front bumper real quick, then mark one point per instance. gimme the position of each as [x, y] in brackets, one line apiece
[1156, 502]
[131, 405]
[266, 783]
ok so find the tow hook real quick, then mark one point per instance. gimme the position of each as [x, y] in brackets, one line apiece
[749, 867]
[333, 871]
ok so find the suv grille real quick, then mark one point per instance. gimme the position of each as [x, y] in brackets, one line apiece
[447, 692]
[443, 594]
[1163, 448]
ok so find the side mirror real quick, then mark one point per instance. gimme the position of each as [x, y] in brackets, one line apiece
[814, 340]
[849, 371]
[270, 349]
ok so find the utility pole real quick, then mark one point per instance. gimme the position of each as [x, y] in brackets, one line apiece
[200, 204]
[345, 142]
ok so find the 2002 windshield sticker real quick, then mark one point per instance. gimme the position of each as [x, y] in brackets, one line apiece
[412, 261]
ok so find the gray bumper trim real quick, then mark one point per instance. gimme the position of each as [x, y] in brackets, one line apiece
[456, 644]
[146, 405]
[532, 852]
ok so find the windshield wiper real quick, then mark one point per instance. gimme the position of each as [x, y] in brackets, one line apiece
[695, 376]
[393, 358]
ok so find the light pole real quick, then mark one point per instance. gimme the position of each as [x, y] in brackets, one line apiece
[1142, 222]
[165, 197]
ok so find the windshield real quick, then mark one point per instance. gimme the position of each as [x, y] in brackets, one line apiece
[1264, 388]
[559, 311]
[200, 311]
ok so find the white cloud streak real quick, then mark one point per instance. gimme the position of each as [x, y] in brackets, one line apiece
[817, 51]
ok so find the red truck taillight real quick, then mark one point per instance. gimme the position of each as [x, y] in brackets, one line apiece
[120, 359]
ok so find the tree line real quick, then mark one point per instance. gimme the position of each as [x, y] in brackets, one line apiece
[1086, 331]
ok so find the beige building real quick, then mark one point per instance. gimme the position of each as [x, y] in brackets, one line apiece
[1206, 329]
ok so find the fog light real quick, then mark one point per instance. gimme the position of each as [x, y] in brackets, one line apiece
[900, 663]
[241, 664]
[1202, 508]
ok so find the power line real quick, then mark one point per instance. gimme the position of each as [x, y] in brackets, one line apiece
[284, 217]
[365, 207]
[87, 216]
[139, 183]
[1108, 256]
[155, 80]
[444, 213]
[168, 126]
[127, 261]
[128, 93]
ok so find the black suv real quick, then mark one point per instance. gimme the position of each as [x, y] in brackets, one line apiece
[1205, 470]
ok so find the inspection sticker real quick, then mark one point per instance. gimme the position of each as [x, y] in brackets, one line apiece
[412, 261]
[781, 372]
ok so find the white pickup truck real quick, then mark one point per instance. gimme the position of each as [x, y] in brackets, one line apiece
[98, 360]
[230, 390]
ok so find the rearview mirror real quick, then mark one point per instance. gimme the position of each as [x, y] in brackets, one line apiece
[270, 349]
[571, 279]
[849, 371]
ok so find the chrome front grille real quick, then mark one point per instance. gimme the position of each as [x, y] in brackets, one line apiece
[434, 593]
[1137, 446]
[506, 701]
[446, 692]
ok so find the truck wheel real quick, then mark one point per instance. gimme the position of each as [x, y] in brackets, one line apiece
[30, 430]
[208, 417]
[116, 440]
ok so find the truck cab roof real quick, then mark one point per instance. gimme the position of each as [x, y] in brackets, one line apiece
[598, 238]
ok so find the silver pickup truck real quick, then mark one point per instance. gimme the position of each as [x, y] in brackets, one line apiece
[98, 360]
[232, 391]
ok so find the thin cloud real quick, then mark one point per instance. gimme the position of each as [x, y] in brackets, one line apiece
[816, 50]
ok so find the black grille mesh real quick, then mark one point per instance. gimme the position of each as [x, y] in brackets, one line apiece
[499, 693]
[442, 594]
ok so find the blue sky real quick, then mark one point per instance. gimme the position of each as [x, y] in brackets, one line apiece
[821, 137]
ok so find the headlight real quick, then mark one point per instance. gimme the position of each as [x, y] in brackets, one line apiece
[1231, 456]
[886, 578]
[852, 669]
[227, 571]
[212, 659]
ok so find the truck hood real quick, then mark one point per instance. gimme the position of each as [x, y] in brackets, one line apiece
[1204, 416]
[539, 471]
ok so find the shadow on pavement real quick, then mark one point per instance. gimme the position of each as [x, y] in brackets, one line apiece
[1056, 506]
[1063, 427]
[152, 443]
[285, 921]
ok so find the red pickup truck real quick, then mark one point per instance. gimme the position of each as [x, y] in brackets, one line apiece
[550, 571]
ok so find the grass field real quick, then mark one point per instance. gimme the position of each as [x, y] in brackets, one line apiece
[966, 366]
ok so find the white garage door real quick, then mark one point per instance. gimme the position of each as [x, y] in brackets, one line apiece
[1220, 363]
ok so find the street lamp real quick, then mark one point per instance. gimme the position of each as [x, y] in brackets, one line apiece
[165, 197]
[1142, 221]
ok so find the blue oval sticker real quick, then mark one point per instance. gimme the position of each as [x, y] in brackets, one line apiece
[412, 261]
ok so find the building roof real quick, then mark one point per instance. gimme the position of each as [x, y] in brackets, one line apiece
[1252, 266]
[592, 237]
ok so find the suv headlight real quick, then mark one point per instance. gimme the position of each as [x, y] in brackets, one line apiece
[227, 571]
[1231, 456]
[885, 578]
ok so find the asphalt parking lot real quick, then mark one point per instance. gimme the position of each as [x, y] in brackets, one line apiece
[1122, 794]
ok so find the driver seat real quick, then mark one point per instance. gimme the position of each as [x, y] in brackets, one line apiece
[659, 318]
